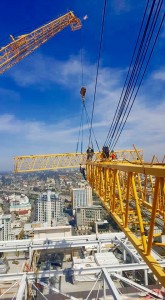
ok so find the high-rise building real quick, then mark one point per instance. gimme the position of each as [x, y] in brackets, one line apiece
[49, 208]
[85, 216]
[5, 227]
[82, 197]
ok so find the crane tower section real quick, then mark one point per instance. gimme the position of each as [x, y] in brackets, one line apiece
[27, 43]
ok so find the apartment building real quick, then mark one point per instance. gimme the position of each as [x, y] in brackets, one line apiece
[49, 208]
[82, 197]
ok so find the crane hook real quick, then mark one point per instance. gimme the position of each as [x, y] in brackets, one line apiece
[83, 92]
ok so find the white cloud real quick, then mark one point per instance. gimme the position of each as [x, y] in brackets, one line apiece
[159, 75]
[145, 127]
[39, 69]
[120, 6]
[9, 95]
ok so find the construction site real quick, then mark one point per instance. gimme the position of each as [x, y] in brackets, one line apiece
[130, 263]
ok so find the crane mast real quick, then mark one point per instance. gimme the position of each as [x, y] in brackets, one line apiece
[27, 43]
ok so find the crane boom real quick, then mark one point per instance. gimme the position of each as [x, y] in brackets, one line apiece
[43, 162]
[27, 43]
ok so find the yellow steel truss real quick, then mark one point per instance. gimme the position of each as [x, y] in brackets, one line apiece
[31, 163]
[27, 43]
[132, 191]
[134, 201]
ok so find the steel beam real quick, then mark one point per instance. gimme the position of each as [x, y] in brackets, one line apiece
[22, 291]
[76, 272]
[111, 285]
[138, 286]
[70, 242]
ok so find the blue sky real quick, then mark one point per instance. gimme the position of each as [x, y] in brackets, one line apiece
[40, 103]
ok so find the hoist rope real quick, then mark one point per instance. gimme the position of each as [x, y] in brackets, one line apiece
[81, 57]
[121, 109]
[97, 70]
[112, 125]
[84, 110]
[132, 85]
[146, 39]
[82, 134]
[82, 82]
[79, 129]
[88, 121]
[117, 138]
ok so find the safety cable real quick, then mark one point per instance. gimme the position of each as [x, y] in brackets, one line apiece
[141, 78]
[111, 127]
[97, 70]
[129, 85]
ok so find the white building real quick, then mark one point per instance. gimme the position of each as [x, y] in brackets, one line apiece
[82, 197]
[85, 216]
[5, 227]
[20, 204]
[49, 208]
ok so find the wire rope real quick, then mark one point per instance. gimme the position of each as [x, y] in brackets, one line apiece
[111, 127]
[88, 121]
[80, 126]
[142, 58]
[81, 57]
[133, 74]
[141, 54]
[141, 78]
[97, 69]
[82, 134]
[84, 110]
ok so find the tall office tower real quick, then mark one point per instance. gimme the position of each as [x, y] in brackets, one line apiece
[49, 208]
[82, 197]
[5, 227]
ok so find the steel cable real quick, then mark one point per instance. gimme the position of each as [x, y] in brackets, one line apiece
[139, 67]
[143, 48]
[132, 76]
[112, 125]
[97, 70]
[140, 80]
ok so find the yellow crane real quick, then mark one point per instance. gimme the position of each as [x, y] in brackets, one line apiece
[131, 190]
[27, 43]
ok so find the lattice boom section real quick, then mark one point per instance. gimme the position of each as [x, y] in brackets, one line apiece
[32, 163]
[48, 162]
